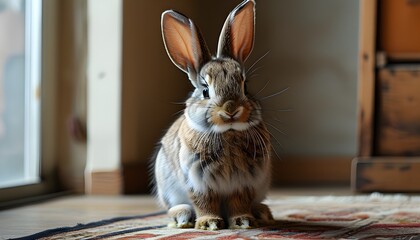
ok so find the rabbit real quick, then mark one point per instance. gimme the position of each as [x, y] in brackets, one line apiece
[212, 167]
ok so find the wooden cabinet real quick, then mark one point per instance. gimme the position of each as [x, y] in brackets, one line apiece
[397, 112]
[399, 28]
[389, 97]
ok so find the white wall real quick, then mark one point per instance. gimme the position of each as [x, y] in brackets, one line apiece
[104, 84]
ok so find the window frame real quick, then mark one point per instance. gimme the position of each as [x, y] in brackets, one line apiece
[46, 88]
[33, 64]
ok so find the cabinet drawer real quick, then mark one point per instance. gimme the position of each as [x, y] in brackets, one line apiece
[399, 32]
[398, 112]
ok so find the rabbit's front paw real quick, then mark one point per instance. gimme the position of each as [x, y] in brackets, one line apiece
[183, 215]
[242, 222]
[209, 223]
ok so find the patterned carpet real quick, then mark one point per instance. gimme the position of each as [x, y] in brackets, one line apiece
[375, 216]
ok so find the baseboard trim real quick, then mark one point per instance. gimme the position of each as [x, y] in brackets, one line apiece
[288, 171]
[105, 183]
[131, 179]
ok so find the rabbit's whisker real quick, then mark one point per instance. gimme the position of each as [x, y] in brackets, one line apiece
[254, 75]
[262, 89]
[178, 112]
[261, 142]
[250, 133]
[274, 149]
[259, 59]
[215, 144]
[264, 146]
[274, 110]
[178, 103]
[279, 121]
[275, 94]
[254, 70]
[275, 128]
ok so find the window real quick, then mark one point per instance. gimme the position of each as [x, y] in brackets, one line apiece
[20, 69]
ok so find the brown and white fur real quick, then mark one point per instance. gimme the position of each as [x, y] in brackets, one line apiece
[213, 165]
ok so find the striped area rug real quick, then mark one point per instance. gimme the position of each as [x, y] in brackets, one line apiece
[374, 216]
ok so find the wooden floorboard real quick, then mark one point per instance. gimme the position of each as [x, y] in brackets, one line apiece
[69, 211]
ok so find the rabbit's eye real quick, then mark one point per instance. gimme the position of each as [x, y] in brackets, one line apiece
[206, 93]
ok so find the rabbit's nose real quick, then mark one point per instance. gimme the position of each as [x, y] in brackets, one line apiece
[230, 112]
[230, 107]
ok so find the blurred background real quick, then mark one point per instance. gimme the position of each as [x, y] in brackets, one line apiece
[105, 89]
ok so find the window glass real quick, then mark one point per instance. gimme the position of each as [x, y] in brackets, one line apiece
[20, 31]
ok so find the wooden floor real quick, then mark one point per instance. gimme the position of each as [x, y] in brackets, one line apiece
[71, 210]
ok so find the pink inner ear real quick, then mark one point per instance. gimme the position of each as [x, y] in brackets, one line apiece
[242, 32]
[178, 38]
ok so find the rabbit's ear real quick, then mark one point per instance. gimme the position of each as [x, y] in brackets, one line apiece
[237, 37]
[184, 43]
